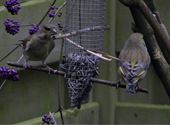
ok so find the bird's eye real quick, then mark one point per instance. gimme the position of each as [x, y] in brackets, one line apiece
[46, 28]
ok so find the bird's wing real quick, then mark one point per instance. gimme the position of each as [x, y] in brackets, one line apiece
[25, 41]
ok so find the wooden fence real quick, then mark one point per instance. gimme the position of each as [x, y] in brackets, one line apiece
[24, 102]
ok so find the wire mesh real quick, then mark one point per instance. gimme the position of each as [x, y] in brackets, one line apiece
[82, 14]
[80, 66]
[79, 69]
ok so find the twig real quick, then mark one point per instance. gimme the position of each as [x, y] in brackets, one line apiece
[85, 30]
[95, 28]
[61, 114]
[107, 55]
[9, 53]
[45, 70]
[61, 36]
[2, 84]
[113, 84]
[88, 51]
[60, 109]
[58, 72]
[58, 10]
[46, 13]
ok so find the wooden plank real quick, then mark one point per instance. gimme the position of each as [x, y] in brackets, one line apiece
[35, 94]
[131, 113]
[107, 96]
[88, 114]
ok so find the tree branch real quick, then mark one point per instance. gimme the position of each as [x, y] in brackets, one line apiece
[58, 72]
[151, 5]
[159, 30]
[58, 10]
[160, 64]
[84, 30]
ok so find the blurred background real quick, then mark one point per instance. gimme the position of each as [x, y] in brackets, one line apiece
[24, 102]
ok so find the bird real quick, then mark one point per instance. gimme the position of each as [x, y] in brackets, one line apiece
[37, 46]
[134, 62]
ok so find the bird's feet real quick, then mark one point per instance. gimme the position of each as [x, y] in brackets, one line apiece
[26, 65]
[48, 68]
[131, 88]
[118, 84]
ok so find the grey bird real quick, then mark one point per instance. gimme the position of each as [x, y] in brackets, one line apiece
[134, 62]
[38, 46]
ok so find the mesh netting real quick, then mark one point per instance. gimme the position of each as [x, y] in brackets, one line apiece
[79, 69]
[80, 66]
[82, 14]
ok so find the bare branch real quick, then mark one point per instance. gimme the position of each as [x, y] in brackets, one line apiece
[161, 66]
[159, 30]
[85, 30]
[151, 5]
[58, 72]
[88, 51]
[129, 3]
[9, 53]
[58, 10]
[42, 19]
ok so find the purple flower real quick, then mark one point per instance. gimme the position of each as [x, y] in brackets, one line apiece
[10, 74]
[52, 11]
[11, 26]
[13, 6]
[47, 119]
[34, 28]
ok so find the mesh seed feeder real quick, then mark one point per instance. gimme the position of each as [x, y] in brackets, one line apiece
[78, 65]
